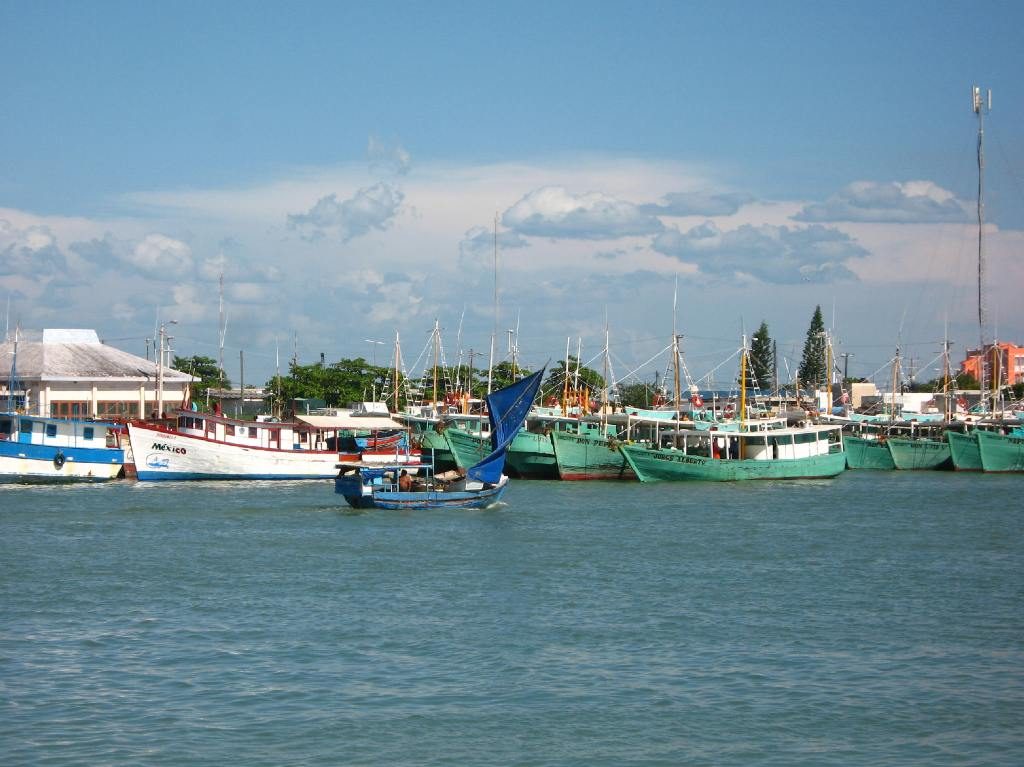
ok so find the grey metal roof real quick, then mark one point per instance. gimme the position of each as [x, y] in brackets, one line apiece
[77, 355]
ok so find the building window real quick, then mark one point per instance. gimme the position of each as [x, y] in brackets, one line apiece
[69, 409]
[117, 410]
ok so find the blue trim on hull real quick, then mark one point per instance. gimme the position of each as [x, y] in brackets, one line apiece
[102, 456]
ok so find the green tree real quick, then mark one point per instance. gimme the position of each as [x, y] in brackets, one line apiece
[554, 384]
[207, 370]
[967, 381]
[636, 394]
[762, 357]
[813, 365]
[504, 375]
[338, 384]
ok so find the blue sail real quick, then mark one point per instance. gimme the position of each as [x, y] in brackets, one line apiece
[507, 409]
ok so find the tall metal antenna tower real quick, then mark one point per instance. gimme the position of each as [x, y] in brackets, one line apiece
[981, 105]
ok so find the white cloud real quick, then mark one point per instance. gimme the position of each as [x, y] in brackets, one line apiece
[389, 155]
[437, 263]
[370, 208]
[30, 252]
[552, 211]
[911, 202]
[772, 254]
[161, 257]
[698, 204]
[479, 241]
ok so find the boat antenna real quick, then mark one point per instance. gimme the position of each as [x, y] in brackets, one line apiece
[981, 106]
[494, 332]
[223, 329]
[675, 350]
[12, 380]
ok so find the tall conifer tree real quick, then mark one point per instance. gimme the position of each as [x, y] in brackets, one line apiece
[813, 364]
[762, 357]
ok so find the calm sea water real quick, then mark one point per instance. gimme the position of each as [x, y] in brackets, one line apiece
[875, 619]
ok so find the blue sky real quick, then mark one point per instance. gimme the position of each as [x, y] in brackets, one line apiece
[342, 164]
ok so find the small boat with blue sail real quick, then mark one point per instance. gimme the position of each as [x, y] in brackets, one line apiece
[413, 486]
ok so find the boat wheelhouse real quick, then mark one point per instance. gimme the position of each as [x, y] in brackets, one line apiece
[34, 449]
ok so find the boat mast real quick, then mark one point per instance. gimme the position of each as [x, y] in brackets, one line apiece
[743, 383]
[14, 373]
[895, 384]
[398, 357]
[565, 381]
[947, 405]
[494, 332]
[437, 334]
[604, 389]
[828, 367]
[675, 352]
[981, 106]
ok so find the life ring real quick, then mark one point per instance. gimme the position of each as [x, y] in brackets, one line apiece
[58, 460]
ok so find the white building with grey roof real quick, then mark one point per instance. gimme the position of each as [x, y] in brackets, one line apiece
[72, 374]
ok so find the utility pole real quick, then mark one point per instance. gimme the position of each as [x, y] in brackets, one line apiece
[161, 354]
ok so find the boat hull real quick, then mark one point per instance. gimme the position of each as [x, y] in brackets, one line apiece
[531, 456]
[1000, 452]
[584, 457]
[864, 453]
[653, 464]
[165, 455]
[920, 454]
[359, 495]
[466, 448]
[964, 452]
[24, 462]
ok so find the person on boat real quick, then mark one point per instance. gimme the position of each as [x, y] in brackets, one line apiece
[404, 482]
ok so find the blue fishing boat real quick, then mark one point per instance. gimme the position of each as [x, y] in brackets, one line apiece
[415, 486]
[38, 449]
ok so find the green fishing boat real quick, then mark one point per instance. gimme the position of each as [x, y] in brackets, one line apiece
[868, 453]
[963, 450]
[783, 453]
[467, 443]
[920, 453]
[591, 451]
[1000, 452]
[530, 455]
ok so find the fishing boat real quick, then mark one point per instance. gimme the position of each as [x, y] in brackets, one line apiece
[210, 446]
[384, 487]
[867, 452]
[963, 450]
[1000, 452]
[764, 449]
[38, 449]
[783, 453]
[590, 451]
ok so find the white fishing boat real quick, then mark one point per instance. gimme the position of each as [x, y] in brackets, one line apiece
[208, 446]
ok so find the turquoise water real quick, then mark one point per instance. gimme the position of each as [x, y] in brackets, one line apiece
[875, 619]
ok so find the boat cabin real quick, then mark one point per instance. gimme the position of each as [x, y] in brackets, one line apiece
[263, 434]
[770, 444]
[57, 432]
